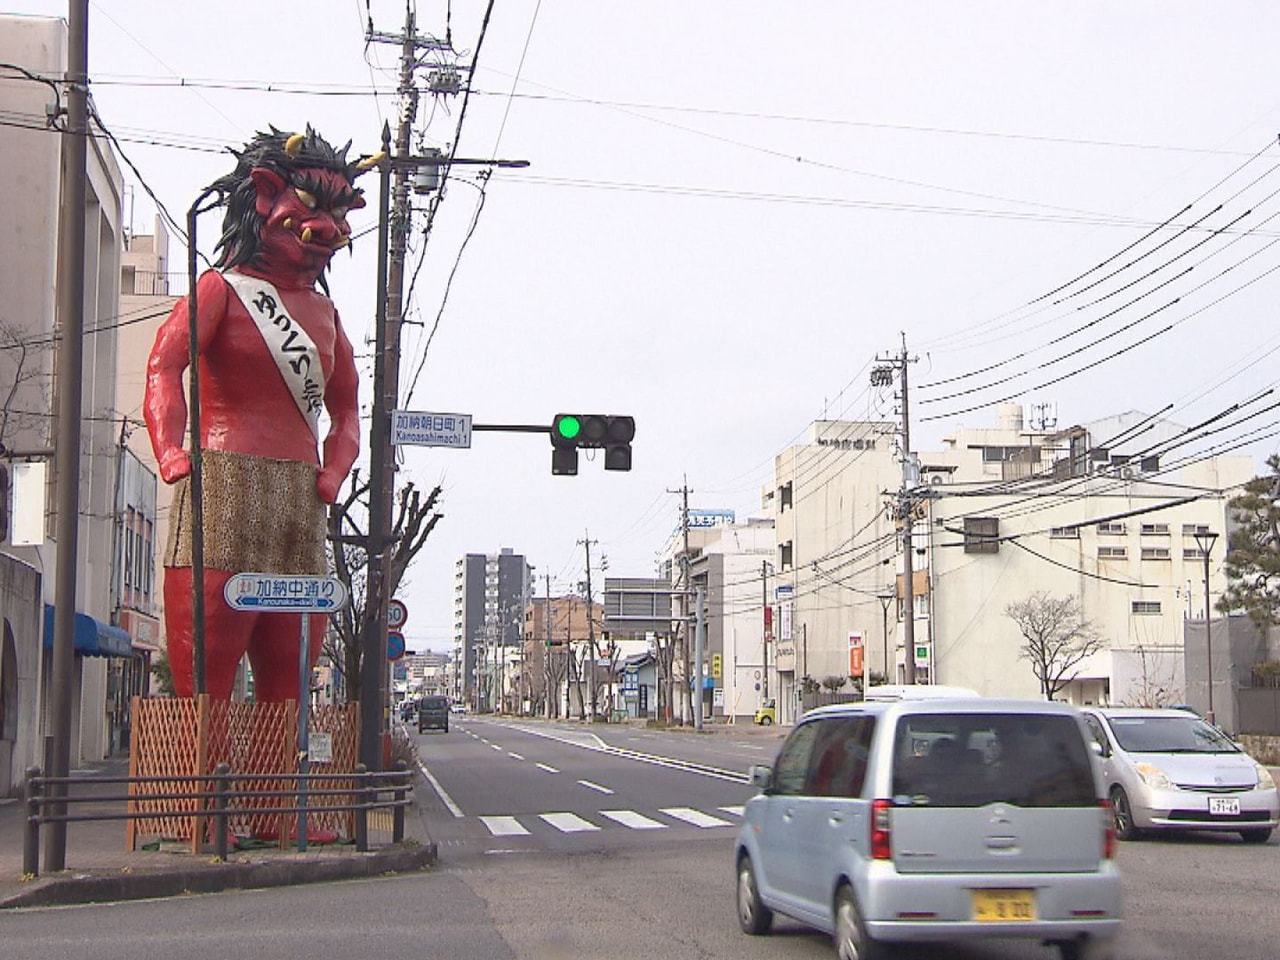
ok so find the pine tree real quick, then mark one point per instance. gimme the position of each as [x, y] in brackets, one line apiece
[1253, 554]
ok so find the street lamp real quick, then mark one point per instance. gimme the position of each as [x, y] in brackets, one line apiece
[885, 599]
[1205, 540]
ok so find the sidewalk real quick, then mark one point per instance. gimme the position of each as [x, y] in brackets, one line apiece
[101, 868]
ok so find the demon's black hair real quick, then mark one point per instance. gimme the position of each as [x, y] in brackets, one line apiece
[241, 227]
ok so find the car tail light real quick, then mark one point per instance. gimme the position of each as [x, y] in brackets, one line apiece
[881, 846]
[1108, 830]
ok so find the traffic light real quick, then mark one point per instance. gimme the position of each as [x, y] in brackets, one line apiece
[572, 431]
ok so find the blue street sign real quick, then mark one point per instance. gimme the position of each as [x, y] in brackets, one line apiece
[395, 646]
[281, 593]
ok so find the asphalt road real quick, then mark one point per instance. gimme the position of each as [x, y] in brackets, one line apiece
[616, 891]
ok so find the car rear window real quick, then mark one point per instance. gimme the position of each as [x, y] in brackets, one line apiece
[435, 703]
[972, 759]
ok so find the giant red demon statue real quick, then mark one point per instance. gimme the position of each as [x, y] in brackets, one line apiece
[271, 353]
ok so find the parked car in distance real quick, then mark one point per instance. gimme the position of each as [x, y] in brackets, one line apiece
[433, 714]
[933, 820]
[767, 714]
[1170, 769]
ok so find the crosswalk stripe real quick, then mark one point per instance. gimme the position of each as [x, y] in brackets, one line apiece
[595, 786]
[504, 826]
[541, 766]
[568, 822]
[734, 811]
[636, 821]
[695, 817]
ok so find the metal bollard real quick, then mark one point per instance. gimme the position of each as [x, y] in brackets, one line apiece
[397, 812]
[220, 789]
[362, 812]
[31, 833]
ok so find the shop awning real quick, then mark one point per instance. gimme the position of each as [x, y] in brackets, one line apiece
[93, 638]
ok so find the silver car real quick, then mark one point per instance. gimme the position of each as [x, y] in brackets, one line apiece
[1169, 769]
[933, 820]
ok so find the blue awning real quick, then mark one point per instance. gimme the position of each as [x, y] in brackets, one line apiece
[93, 638]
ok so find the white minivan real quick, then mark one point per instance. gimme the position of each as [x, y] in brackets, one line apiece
[921, 820]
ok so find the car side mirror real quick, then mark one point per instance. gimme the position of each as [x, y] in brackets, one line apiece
[761, 776]
[1098, 748]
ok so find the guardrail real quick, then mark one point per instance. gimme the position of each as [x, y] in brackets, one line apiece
[47, 799]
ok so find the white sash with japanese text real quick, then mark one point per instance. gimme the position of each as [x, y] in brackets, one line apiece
[290, 347]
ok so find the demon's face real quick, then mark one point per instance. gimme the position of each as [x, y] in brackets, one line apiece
[304, 218]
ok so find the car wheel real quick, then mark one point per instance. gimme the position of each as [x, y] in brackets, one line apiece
[1260, 835]
[1086, 948]
[1123, 813]
[766, 721]
[852, 940]
[753, 916]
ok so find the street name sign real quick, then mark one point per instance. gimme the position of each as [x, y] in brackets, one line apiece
[284, 593]
[421, 429]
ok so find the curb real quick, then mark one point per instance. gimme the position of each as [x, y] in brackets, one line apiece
[215, 878]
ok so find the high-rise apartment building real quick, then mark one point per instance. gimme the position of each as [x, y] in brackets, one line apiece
[490, 594]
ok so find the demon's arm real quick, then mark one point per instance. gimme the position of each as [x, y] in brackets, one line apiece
[164, 403]
[341, 399]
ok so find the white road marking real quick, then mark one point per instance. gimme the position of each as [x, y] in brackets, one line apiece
[636, 821]
[494, 745]
[568, 822]
[448, 800]
[734, 811]
[543, 766]
[513, 756]
[685, 766]
[695, 817]
[595, 786]
[504, 826]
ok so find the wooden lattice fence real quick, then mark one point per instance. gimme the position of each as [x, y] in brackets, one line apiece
[191, 736]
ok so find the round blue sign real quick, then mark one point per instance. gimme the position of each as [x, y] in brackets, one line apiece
[395, 646]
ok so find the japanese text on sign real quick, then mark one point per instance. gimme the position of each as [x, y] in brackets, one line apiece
[431, 429]
[268, 592]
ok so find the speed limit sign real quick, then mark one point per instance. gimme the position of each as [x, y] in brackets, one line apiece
[397, 614]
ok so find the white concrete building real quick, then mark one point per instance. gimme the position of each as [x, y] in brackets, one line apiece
[29, 276]
[1106, 513]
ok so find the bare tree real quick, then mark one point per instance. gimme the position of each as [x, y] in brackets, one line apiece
[1156, 685]
[1056, 638]
[24, 383]
[414, 519]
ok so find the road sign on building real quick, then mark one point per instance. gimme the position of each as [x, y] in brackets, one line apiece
[422, 429]
[717, 666]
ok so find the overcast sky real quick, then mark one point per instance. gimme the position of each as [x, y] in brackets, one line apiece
[732, 206]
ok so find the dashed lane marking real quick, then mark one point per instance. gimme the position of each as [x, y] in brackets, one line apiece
[546, 767]
[514, 756]
[595, 786]
[568, 822]
[695, 817]
[504, 826]
[636, 821]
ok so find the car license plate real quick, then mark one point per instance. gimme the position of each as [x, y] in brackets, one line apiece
[1004, 906]
[1224, 806]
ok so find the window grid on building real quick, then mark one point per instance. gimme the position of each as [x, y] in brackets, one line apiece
[1145, 608]
[1112, 553]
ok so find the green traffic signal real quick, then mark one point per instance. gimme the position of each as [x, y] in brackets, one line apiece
[568, 426]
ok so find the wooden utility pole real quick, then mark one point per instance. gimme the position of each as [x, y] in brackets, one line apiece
[686, 698]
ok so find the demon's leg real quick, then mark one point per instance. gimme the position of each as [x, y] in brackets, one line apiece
[226, 632]
[273, 653]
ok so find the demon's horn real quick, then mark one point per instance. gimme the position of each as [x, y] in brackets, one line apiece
[368, 163]
[294, 144]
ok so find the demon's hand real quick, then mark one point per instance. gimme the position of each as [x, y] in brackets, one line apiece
[327, 483]
[174, 465]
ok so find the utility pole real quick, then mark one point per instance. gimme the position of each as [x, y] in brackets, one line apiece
[591, 627]
[71, 230]
[686, 705]
[546, 652]
[764, 600]
[882, 376]
[393, 229]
